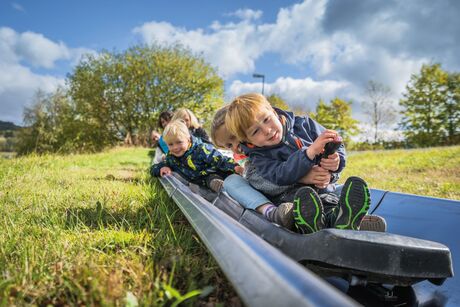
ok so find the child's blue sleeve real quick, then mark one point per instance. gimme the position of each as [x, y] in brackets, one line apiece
[155, 169]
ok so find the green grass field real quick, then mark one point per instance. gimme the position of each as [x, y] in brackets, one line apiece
[430, 172]
[95, 230]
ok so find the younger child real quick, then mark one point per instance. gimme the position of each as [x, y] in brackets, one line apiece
[284, 149]
[200, 163]
[192, 124]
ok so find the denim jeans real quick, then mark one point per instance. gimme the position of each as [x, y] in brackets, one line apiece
[240, 190]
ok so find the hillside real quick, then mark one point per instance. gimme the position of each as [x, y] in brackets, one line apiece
[96, 230]
[8, 126]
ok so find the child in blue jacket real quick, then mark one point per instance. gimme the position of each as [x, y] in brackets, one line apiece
[284, 149]
[200, 163]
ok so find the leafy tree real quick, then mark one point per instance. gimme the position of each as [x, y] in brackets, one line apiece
[431, 107]
[121, 94]
[336, 116]
[451, 109]
[378, 107]
[50, 126]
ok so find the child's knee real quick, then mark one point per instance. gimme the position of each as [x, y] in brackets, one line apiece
[232, 180]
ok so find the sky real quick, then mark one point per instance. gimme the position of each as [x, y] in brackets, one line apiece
[310, 50]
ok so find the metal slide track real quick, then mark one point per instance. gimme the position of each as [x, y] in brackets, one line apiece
[260, 274]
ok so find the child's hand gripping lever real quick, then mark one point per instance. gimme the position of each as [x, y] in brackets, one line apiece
[330, 148]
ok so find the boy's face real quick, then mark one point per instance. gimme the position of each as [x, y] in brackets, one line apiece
[267, 130]
[178, 146]
[225, 139]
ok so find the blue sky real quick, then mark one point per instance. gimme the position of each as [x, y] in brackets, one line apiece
[307, 49]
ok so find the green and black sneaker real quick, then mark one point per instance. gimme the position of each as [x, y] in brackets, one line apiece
[353, 204]
[308, 211]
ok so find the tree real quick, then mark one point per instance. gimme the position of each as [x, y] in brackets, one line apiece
[122, 93]
[451, 109]
[378, 107]
[278, 102]
[431, 107]
[336, 116]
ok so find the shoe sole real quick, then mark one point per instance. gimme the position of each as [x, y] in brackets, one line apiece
[307, 210]
[373, 223]
[354, 203]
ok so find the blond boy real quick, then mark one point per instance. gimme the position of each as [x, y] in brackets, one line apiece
[197, 162]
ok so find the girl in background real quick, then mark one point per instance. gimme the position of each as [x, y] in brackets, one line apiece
[192, 123]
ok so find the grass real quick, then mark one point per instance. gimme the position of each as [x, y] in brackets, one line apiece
[96, 230]
[431, 172]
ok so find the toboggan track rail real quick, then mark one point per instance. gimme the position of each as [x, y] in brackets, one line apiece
[260, 274]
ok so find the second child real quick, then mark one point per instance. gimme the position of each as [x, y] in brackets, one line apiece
[197, 162]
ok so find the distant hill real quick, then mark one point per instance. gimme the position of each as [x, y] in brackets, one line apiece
[8, 126]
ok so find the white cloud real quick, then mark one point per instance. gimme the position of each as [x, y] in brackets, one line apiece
[342, 41]
[39, 51]
[246, 14]
[17, 87]
[229, 48]
[18, 82]
[303, 93]
[34, 49]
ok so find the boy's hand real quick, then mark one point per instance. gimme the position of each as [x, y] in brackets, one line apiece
[331, 163]
[318, 176]
[318, 145]
[165, 171]
[239, 169]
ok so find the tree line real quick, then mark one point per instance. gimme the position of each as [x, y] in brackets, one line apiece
[117, 96]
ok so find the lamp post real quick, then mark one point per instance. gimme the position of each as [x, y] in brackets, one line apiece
[263, 80]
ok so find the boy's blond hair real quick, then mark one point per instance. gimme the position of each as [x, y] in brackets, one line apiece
[183, 113]
[242, 113]
[176, 129]
[217, 122]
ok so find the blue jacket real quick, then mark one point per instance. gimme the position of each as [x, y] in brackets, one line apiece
[287, 162]
[199, 161]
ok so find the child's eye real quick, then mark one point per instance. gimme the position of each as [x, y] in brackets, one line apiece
[266, 119]
[255, 132]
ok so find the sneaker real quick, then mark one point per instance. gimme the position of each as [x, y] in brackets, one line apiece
[353, 204]
[373, 223]
[216, 184]
[283, 215]
[308, 211]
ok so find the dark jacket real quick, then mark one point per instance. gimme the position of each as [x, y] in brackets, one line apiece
[285, 163]
[200, 133]
[199, 161]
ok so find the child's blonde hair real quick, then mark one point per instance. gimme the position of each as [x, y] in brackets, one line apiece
[184, 113]
[217, 122]
[243, 112]
[176, 129]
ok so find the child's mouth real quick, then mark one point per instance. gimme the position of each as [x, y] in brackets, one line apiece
[273, 136]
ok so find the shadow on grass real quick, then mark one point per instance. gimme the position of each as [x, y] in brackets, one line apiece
[153, 214]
